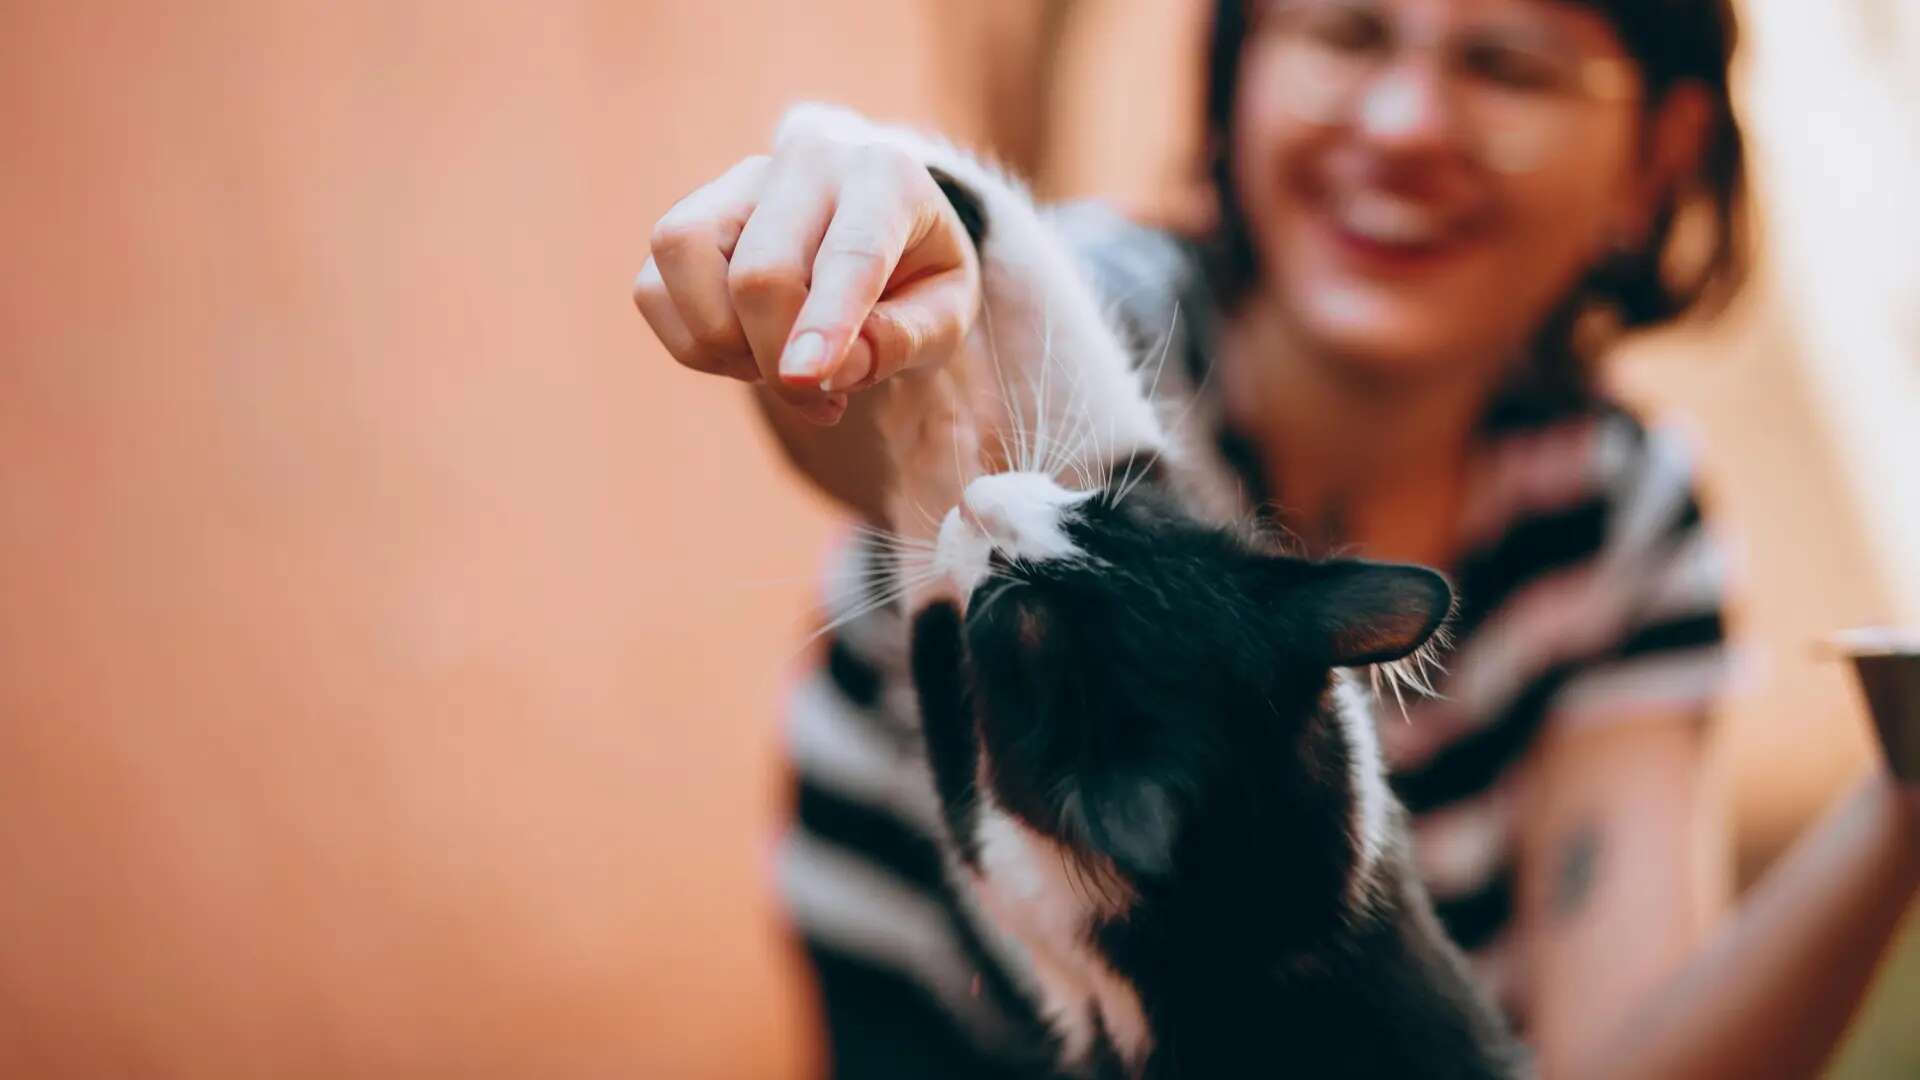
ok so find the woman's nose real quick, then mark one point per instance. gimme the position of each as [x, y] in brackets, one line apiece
[1409, 107]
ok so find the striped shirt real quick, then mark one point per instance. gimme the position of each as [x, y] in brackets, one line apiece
[1589, 591]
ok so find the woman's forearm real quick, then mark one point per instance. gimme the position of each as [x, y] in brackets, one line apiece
[1772, 994]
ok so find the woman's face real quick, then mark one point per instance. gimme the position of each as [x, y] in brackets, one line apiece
[1426, 179]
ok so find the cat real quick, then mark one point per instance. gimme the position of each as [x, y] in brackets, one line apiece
[1157, 771]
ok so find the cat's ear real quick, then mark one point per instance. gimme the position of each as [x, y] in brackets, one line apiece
[1349, 613]
[1131, 820]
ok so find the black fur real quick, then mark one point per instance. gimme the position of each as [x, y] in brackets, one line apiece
[966, 204]
[1162, 708]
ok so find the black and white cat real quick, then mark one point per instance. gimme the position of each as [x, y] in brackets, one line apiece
[1160, 781]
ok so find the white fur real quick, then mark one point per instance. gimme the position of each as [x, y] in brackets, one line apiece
[1026, 884]
[1021, 515]
[1372, 802]
[863, 910]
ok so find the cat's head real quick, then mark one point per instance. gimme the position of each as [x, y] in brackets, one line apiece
[1141, 688]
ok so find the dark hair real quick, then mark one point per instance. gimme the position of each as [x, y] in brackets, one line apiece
[1696, 251]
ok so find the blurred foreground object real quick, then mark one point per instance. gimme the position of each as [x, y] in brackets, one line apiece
[1888, 666]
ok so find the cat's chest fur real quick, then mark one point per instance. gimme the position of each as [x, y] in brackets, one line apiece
[1035, 893]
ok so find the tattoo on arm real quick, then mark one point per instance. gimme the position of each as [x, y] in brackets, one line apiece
[1576, 868]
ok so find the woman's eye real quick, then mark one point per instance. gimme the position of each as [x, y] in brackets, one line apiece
[1513, 67]
[1347, 29]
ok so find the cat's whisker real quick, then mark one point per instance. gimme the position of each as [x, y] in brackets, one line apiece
[932, 522]
[960, 474]
[1106, 456]
[1046, 352]
[769, 583]
[1128, 481]
[1051, 448]
[873, 533]
[1016, 420]
[1033, 409]
[894, 541]
[867, 575]
[1084, 441]
[871, 604]
[879, 531]
[893, 557]
[1073, 449]
[893, 568]
[1172, 434]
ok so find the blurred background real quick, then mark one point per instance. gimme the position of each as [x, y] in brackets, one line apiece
[389, 676]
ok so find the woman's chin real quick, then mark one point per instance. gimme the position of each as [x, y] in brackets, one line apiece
[1401, 348]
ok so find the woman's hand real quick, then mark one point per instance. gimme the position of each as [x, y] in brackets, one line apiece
[816, 272]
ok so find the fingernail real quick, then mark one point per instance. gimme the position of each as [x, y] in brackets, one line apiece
[804, 359]
[854, 367]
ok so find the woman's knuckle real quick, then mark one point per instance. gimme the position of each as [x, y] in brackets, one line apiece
[863, 249]
[692, 357]
[878, 156]
[720, 336]
[892, 346]
[674, 232]
[649, 290]
[705, 359]
[758, 280]
[808, 150]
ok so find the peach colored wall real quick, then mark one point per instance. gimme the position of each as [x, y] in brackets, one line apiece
[380, 689]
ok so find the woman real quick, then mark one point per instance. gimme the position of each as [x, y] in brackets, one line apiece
[1434, 213]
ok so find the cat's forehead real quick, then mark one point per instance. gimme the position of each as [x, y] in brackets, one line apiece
[1022, 516]
[1029, 527]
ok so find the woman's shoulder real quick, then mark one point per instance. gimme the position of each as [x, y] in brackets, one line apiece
[1589, 539]
[1647, 472]
[1602, 456]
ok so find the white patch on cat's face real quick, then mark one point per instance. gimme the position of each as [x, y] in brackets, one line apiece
[1024, 882]
[1019, 514]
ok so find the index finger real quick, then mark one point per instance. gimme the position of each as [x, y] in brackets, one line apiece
[872, 224]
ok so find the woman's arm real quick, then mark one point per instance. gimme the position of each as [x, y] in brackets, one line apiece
[1773, 992]
[1622, 873]
[1617, 879]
